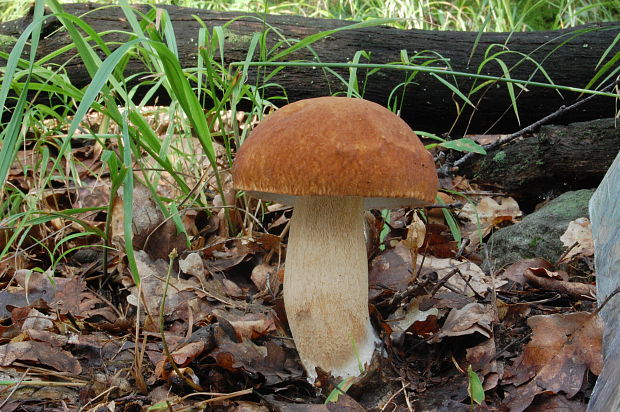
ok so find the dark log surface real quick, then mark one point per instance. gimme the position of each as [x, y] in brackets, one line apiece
[556, 159]
[428, 105]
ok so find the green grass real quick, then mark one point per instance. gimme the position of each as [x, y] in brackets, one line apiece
[185, 165]
[473, 15]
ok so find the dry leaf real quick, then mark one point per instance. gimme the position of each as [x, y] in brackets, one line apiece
[39, 353]
[578, 232]
[192, 265]
[471, 318]
[492, 211]
[409, 316]
[390, 272]
[562, 349]
[515, 271]
[476, 279]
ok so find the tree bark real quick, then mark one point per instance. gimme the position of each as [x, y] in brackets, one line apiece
[556, 159]
[570, 57]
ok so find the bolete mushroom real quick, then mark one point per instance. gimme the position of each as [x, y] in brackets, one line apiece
[331, 157]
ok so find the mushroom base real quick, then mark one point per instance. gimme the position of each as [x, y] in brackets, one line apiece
[326, 285]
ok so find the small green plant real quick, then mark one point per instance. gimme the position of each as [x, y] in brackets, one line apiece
[474, 387]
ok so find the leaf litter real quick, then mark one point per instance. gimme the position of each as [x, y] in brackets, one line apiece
[92, 339]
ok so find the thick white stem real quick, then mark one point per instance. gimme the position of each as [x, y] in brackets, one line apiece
[326, 285]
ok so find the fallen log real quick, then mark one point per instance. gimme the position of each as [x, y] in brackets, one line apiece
[569, 56]
[557, 159]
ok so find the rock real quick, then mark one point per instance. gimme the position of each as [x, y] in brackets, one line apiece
[605, 216]
[538, 234]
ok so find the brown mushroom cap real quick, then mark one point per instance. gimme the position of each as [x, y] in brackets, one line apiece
[336, 146]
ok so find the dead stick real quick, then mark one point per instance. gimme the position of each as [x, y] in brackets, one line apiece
[563, 109]
[578, 290]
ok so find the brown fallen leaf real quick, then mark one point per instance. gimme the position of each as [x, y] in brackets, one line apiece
[489, 213]
[247, 325]
[578, 237]
[265, 278]
[409, 318]
[562, 349]
[547, 273]
[438, 241]
[39, 353]
[65, 295]
[390, 272]
[471, 318]
[515, 271]
[181, 292]
[270, 361]
[557, 403]
[181, 356]
[492, 212]
[469, 281]
[482, 359]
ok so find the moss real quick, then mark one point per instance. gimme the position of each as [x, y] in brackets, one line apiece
[534, 242]
[236, 39]
[6, 42]
[499, 156]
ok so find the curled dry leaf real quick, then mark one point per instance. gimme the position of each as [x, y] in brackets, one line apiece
[265, 278]
[192, 265]
[482, 358]
[486, 215]
[232, 289]
[270, 361]
[390, 272]
[469, 279]
[492, 211]
[545, 273]
[515, 271]
[38, 321]
[181, 357]
[416, 233]
[153, 275]
[411, 318]
[247, 325]
[471, 318]
[562, 349]
[578, 237]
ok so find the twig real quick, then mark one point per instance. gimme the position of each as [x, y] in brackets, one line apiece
[6, 400]
[443, 281]
[514, 342]
[391, 398]
[409, 407]
[575, 289]
[611, 295]
[566, 252]
[563, 109]
[454, 205]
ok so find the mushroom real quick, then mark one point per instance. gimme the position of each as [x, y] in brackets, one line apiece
[331, 157]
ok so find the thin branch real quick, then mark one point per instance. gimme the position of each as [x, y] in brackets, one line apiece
[563, 109]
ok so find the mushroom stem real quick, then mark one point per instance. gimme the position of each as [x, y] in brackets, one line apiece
[326, 285]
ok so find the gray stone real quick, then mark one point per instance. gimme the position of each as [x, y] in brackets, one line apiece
[538, 234]
[605, 215]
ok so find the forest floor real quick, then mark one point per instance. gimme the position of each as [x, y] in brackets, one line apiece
[206, 325]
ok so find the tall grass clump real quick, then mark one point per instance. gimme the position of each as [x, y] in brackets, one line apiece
[182, 160]
[502, 15]
[183, 157]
